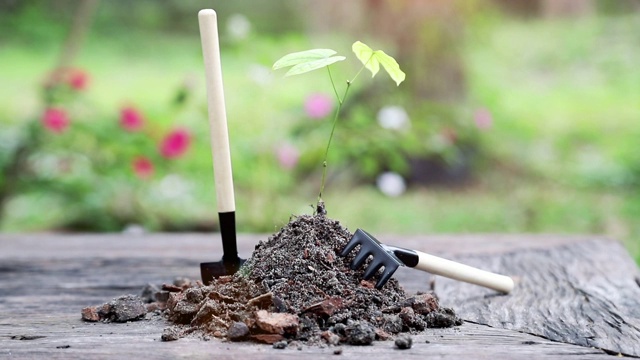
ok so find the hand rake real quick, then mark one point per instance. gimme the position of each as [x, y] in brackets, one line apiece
[392, 257]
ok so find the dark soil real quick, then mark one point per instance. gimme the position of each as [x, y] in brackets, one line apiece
[296, 288]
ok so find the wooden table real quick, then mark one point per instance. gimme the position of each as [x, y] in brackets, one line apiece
[575, 295]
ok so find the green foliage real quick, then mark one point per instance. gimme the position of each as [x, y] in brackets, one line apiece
[314, 59]
[305, 61]
[563, 153]
[373, 59]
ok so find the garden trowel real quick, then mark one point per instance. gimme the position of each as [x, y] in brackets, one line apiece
[389, 258]
[230, 262]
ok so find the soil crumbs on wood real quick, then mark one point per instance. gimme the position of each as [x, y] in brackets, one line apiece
[296, 289]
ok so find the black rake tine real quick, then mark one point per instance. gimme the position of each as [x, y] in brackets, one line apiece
[356, 240]
[386, 275]
[360, 259]
[372, 269]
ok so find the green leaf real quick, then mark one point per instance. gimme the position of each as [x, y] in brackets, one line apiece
[305, 61]
[373, 59]
[313, 65]
[365, 54]
[391, 66]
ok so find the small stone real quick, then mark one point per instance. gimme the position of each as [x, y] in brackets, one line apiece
[181, 311]
[194, 295]
[382, 335]
[280, 305]
[122, 309]
[277, 323]
[407, 316]
[367, 284]
[282, 344]
[392, 323]
[261, 302]
[340, 329]
[170, 334]
[90, 313]
[422, 303]
[128, 308]
[404, 342]
[330, 337]
[360, 333]
[148, 293]
[337, 351]
[237, 331]
[326, 307]
[443, 318]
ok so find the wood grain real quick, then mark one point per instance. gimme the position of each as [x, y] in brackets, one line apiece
[571, 290]
[585, 294]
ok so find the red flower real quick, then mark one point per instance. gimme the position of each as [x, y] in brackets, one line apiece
[131, 119]
[175, 144]
[77, 79]
[55, 119]
[142, 167]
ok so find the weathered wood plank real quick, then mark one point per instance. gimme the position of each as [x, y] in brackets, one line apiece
[140, 340]
[198, 245]
[45, 280]
[587, 294]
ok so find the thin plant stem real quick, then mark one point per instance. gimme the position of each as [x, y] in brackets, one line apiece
[333, 129]
[335, 121]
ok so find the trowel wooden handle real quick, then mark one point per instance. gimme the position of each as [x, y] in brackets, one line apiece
[217, 113]
[465, 273]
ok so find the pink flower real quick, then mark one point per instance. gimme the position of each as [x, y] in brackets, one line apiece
[483, 119]
[77, 79]
[318, 106]
[142, 167]
[175, 144]
[287, 156]
[131, 119]
[55, 119]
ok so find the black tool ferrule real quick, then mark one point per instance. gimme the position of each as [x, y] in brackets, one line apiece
[228, 234]
[409, 257]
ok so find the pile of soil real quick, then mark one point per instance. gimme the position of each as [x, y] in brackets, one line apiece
[296, 288]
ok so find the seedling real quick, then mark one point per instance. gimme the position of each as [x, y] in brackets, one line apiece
[305, 61]
[384, 258]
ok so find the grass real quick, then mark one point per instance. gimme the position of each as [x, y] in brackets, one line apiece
[565, 120]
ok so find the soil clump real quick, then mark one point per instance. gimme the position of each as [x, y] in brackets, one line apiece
[295, 288]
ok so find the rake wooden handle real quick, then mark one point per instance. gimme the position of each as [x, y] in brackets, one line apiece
[207, 19]
[453, 270]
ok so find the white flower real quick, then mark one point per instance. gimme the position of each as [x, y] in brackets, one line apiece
[260, 74]
[173, 187]
[238, 27]
[393, 117]
[391, 184]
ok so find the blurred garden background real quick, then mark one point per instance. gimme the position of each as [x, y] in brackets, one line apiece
[516, 116]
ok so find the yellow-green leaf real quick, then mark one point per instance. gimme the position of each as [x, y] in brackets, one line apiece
[390, 65]
[373, 59]
[305, 67]
[305, 61]
[365, 54]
